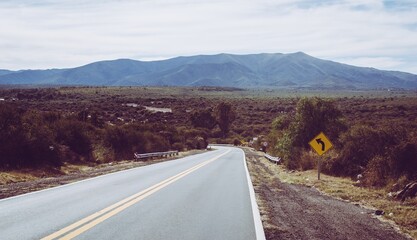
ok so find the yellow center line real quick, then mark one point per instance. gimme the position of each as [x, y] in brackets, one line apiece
[112, 210]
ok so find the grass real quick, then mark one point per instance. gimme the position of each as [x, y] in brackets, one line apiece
[14, 176]
[403, 214]
[26, 175]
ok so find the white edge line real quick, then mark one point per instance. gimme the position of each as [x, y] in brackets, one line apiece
[81, 181]
[259, 230]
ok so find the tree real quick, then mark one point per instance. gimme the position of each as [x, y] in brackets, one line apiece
[225, 115]
[291, 133]
[315, 115]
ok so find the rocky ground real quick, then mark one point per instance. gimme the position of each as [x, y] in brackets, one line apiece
[292, 211]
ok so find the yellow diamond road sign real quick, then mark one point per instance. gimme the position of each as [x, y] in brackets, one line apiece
[321, 144]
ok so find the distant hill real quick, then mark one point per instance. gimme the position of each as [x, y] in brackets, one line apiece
[296, 70]
[4, 72]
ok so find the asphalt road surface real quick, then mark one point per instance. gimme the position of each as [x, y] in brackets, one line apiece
[205, 196]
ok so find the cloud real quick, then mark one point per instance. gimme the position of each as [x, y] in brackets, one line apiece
[68, 33]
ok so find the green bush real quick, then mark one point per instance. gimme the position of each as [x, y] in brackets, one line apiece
[281, 122]
[382, 154]
[12, 137]
[203, 119]
[308, 160]
[179, 146]
[291, 134]
[73, 133]
[25, 139]
[40, 146]
[124, 141]
[404, 160]
[155, 142]
[315, 115]
[361, 144]
[128, 139]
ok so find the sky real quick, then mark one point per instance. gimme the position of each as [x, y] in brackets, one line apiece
[45, 34]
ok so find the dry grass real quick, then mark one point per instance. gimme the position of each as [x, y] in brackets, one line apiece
[404, 215]
[14, 176]
[29, 175]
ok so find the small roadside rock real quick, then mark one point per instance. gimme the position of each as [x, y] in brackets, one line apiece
[379, 212]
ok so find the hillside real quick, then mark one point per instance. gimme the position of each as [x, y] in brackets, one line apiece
[296, 70]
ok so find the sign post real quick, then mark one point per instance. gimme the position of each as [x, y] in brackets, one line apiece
[320, 144]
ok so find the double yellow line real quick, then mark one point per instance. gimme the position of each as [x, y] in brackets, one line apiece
[89, 222]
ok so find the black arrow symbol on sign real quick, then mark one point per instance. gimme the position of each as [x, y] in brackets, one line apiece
[319, 141]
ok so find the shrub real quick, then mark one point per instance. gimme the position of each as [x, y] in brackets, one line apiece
[361, 144]
[179, 146]
[377, 172]
[290, 134]
[124, 142]
[382, 154]
[197, 143]
[40, 147]
[281, 122]
[25, 139]
[203, 119]
[73, 134]
[11, 136]
[308, 160]
[313, 116]
[404, 160]
[155, 143]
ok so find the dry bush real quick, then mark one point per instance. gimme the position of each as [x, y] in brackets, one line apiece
[377, 172]
[308, 160]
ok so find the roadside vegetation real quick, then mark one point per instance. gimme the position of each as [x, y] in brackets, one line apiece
[383, 153]
[266, 175]
[373, 132]
[376, 158]
[49, 127]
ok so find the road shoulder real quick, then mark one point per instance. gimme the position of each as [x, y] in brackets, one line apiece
[293, 211]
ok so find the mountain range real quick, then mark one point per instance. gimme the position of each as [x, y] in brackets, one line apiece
[295, 70]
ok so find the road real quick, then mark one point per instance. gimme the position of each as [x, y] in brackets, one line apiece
[205, 196]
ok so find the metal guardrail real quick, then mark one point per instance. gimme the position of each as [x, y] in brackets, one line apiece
[272, 159]
[155, 154]
[221, 144]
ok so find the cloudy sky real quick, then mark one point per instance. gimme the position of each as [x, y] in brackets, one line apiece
[42, 34]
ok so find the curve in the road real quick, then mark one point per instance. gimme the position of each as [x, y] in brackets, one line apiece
[100, 216]
[204, 196]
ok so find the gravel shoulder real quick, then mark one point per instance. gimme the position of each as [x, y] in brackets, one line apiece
[25, 181]
[292, 211]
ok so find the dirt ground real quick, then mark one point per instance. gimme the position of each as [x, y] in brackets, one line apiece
[291, 211]
[42, 179]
